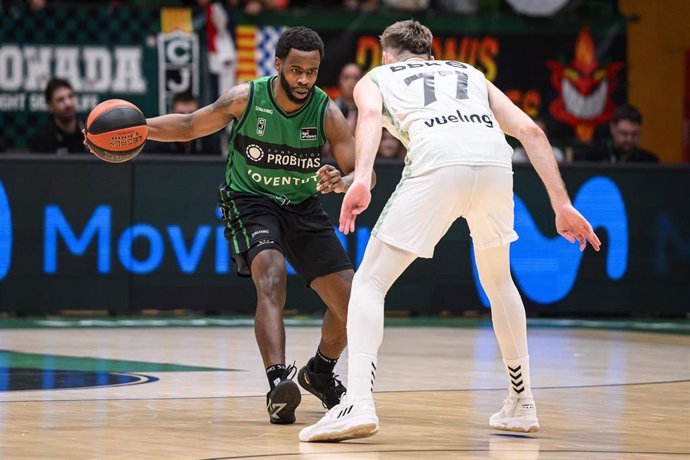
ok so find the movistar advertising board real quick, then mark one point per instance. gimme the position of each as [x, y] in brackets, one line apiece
[81, 234]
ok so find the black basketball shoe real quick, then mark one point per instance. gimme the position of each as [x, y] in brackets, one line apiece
[325, 386]
[282, 400]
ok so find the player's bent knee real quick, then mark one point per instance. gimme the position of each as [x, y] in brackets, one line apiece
[269, 273]
[267, 252]
[367, 285]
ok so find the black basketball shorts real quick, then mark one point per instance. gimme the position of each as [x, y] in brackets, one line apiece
[302, 232]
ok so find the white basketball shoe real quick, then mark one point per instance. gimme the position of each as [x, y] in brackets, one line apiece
[518, 414]
[347, 420]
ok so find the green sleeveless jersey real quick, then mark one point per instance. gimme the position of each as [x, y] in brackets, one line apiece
[273, 153]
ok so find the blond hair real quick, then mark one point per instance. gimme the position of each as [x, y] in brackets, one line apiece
[407, 36]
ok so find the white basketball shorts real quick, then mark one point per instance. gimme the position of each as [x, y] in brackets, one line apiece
[422, 208]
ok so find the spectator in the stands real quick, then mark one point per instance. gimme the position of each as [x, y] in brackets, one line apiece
[622, 145]
[62, 134]
[390, 147]
[520, 156]
[349, 76]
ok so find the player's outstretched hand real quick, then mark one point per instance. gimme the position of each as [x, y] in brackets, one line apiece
[571, 225]
[356, 200]
[330, 180]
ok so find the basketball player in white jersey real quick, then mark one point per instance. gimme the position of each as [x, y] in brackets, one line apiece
[452, 121]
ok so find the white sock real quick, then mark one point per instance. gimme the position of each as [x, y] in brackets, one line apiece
[361, 376]
[518, 377]
[381, 266]
[507, 315]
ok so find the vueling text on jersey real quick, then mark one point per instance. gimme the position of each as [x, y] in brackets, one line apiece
[458, 117]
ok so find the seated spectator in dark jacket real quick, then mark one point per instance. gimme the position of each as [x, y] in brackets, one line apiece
[62, 134]
[186, 103]
[625, 128]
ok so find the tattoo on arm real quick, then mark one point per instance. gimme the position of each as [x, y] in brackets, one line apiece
[232, 99]
[225, 100]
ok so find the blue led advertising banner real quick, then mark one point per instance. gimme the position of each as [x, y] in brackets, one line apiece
[82, 234]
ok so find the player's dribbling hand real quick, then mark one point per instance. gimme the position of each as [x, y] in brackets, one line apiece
[571, 225]
[356, 200]
[330, 180]
[83, 133]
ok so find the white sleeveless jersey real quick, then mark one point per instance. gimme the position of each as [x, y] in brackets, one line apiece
[440, 111]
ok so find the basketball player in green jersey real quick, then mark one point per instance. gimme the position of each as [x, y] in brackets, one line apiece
[271, 213]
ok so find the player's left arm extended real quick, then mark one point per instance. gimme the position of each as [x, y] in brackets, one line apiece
[369, 126]
[342, 145]
[177, 127]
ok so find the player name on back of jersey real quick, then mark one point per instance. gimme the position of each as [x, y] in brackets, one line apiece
[459, 117]
[416, 65]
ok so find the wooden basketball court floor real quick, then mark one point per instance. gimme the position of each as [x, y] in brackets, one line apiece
[199, 393]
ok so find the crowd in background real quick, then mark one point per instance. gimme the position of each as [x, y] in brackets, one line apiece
[253, 7]
[617, 143]
[62, 134]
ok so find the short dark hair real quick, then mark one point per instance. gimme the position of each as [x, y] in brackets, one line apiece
[349, 64]
[53, 85]
[627, 112]
[184, 97]
[408, 36]
[299, 38]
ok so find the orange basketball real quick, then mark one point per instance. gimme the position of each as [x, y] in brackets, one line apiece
[116, 130]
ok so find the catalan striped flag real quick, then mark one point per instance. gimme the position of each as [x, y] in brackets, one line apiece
[256, 46]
